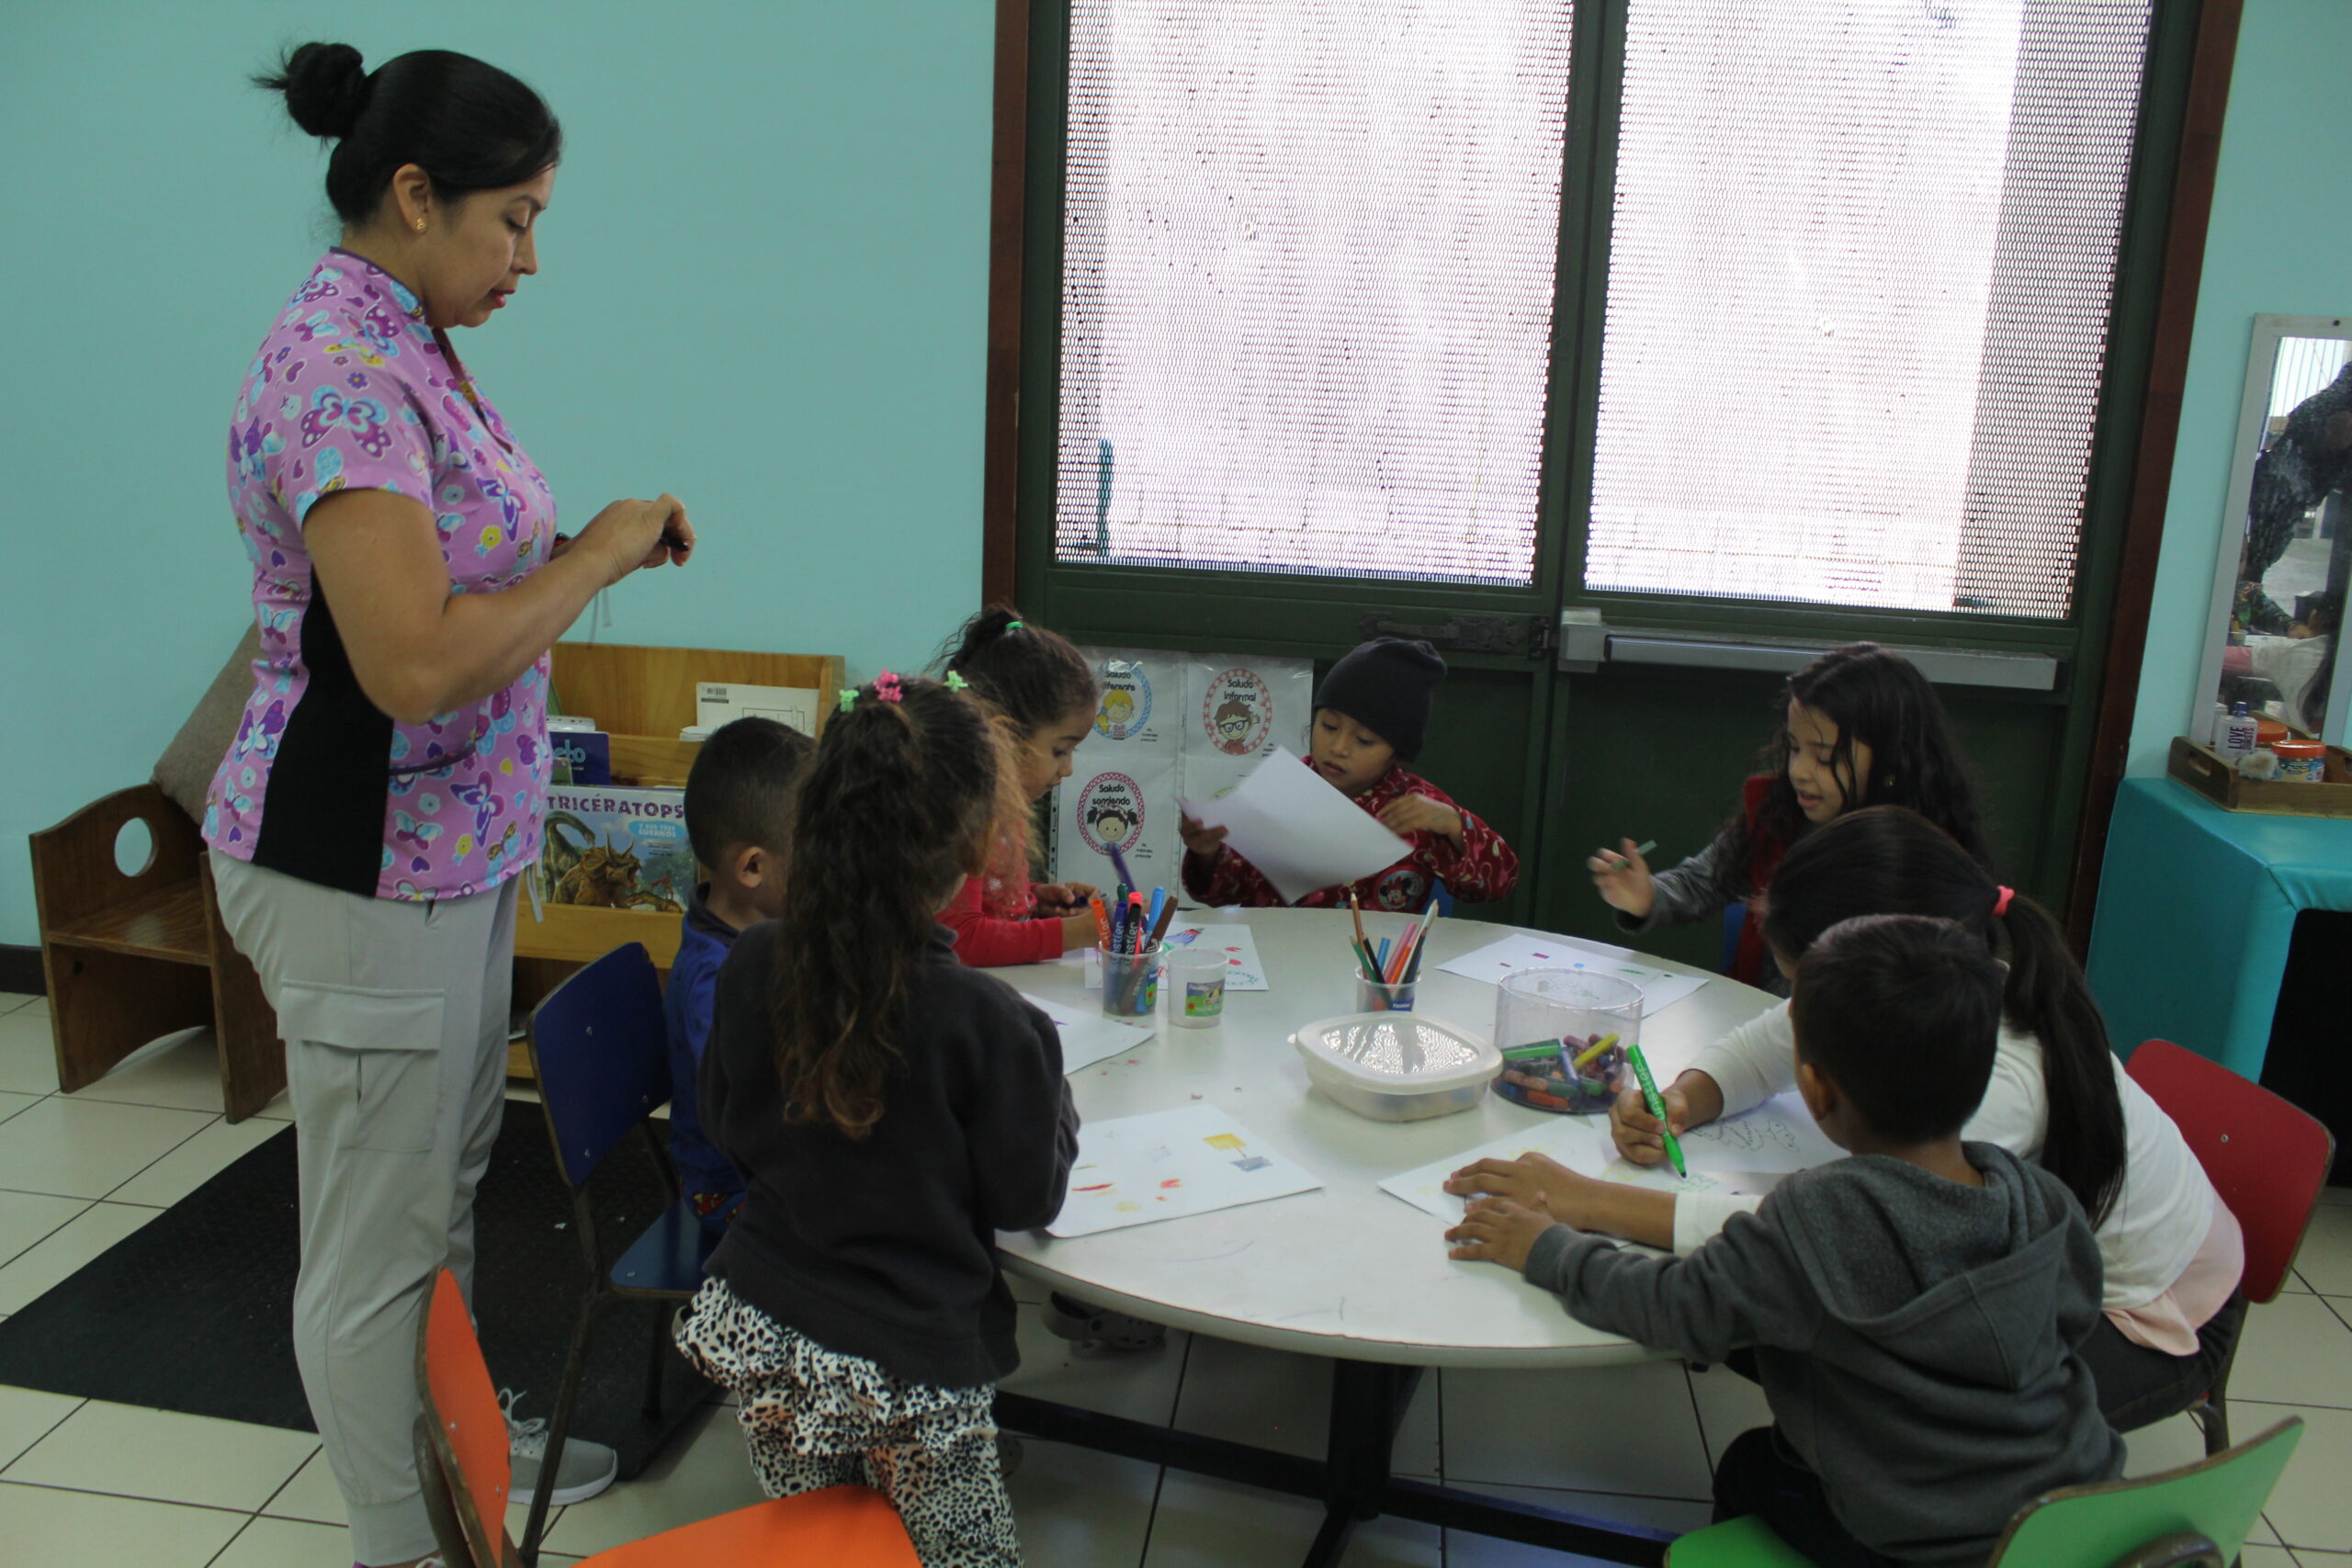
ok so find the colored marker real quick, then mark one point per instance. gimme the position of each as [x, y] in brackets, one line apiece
[1645, 846]
[1657, 1103]
[1119, 864]
[1592, 1051]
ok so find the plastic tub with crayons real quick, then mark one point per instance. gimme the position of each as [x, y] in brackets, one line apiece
[1562, 1034]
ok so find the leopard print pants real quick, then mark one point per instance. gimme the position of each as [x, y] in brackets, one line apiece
[814, 1419]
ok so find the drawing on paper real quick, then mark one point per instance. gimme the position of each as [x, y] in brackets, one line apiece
[1747, 1135]
[1164, 1163]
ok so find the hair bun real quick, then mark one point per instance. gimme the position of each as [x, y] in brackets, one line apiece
[326, 86]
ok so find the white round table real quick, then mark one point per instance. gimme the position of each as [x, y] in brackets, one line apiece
[1348, 1272]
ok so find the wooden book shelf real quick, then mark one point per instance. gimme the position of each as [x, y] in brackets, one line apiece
[641, 697]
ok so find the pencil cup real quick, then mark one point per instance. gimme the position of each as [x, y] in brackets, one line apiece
[1378, 996]
[1130, 984]
[1564, 1033]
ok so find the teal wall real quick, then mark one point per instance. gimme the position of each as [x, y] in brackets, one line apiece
[2280, 244]
[762, 285]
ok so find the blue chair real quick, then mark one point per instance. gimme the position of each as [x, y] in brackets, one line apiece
[1442, 896]
[1734, 923]
[600, 1051]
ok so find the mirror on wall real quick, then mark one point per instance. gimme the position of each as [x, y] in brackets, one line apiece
[2280, 585]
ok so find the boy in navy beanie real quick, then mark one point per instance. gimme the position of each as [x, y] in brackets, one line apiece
[1371, 716]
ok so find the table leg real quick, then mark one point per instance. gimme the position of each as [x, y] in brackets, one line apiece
[1353, 1480]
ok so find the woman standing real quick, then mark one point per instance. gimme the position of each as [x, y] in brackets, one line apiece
[386, 786]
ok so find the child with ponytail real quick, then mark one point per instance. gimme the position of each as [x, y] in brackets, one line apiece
[2058, 1097]
[1042, 695]
[890, 1110]
[1859, 725]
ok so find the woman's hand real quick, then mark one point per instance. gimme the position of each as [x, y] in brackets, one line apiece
[1058, 899]
[1496, 1230]
[1419, 814]
[636, 534]
[1202, 842]
[1623, 878]
[1691, 1100]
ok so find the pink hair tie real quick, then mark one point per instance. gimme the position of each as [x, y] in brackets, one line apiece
[885, 686]
[2001, 905]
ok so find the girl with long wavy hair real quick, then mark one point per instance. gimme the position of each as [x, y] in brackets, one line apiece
[890, 1110]
[1859, 725]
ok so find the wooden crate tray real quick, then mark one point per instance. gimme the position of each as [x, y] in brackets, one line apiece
[2212, 776]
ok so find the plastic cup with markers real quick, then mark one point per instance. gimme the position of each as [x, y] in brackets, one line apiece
[1564, 1035]
[1196, 987]
[1131, 984]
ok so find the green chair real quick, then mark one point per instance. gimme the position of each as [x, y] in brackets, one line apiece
[2195, 1516]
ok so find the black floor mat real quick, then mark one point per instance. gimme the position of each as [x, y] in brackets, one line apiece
[191, 1313]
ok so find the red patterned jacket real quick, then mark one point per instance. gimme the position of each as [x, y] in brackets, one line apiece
[1482, 870]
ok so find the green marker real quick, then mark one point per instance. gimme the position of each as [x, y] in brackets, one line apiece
[1644, 848]
[1657, 1102]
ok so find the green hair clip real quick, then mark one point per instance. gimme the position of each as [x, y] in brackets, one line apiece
[957, 682]
[1014, 625]
[848, 699]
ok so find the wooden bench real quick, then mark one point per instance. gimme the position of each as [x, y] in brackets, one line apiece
[132, 957]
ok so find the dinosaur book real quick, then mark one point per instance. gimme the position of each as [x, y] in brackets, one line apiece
[616, 849]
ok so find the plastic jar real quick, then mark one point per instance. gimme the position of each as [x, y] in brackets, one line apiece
[2300, 762]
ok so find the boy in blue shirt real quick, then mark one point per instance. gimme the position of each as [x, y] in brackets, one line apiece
[1916, 1311]
[739, 818]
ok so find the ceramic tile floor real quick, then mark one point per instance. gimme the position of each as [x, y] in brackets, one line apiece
[86, 1483]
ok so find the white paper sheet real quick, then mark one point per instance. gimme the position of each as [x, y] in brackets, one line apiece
[1515, 955]
[1775, 1138]
[1167, 1164]
[1573, 1140]
[1288, 821]
[1244, 971]
[1087, 1036]
[722, 702]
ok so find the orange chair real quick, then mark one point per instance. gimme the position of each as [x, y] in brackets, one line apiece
[2267, 1158]
[461, 1461]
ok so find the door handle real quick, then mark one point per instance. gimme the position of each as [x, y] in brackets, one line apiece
[1585, 643]
[1461, 634]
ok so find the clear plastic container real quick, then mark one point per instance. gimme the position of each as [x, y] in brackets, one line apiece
[1196, 987]
[1380, 996]
[1590, 1019]
[1130, 984]
[1397, 1066]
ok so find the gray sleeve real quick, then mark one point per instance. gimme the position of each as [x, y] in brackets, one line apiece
[1686, 893]
[1742, 1287]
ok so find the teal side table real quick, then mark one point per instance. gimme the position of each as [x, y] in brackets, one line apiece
[2196, 907]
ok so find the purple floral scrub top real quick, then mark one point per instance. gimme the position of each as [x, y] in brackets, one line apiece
[353, 390]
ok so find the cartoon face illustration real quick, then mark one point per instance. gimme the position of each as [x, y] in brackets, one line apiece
[1233, 720]
[1118, 706]
[1109, 821]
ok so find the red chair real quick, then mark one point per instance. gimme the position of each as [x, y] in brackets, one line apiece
[2267, 1158]
[462, 1464]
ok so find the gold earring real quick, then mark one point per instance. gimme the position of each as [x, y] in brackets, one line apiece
[420, 225]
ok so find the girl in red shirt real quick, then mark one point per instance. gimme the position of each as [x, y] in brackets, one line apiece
[1039, 687]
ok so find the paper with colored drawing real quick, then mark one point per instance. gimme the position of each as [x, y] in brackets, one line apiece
[1515, 954]
[1244, 971]
[1776, 1138]
[1167, 1164]
[1288, 821]
[1087, 1036]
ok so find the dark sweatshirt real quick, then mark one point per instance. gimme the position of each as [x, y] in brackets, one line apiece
[885, 1247]
[1917, 1337]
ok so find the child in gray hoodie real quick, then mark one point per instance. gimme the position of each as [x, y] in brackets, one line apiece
[1915, 1310]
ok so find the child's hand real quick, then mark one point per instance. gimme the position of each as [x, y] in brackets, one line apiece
[1623, 878]
[1057, 898]
[1639, 1136]
[1203, 841]
[1496, 1230]
[1532, 1182]
[1419, 814]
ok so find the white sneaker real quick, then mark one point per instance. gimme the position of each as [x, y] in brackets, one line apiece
[584, 1469]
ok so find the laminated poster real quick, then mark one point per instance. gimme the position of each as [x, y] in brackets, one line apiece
[1238, 711]
[1127, 801]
